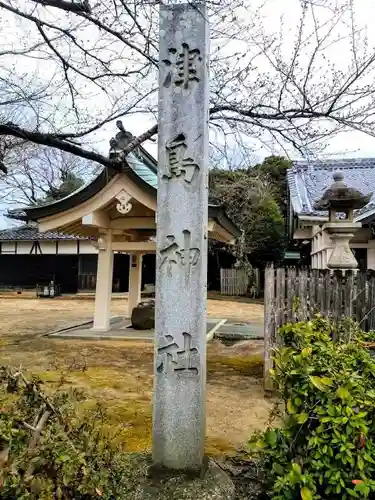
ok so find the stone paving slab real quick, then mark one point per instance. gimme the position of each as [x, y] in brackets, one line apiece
[120, 330]
[241, 331]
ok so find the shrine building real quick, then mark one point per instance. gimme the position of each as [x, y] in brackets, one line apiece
[116, 214]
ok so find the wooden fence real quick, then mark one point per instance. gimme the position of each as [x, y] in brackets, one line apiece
[298, 294]
[234, 281]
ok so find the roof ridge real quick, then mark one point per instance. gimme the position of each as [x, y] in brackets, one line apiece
[29, 233]
[343, 163]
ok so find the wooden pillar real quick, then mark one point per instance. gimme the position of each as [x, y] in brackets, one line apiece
[103, 293]
[313, 261]
[135, 281]
[269, 325]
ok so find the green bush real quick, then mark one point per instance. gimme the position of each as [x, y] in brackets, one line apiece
[50, 448]
[325, 444]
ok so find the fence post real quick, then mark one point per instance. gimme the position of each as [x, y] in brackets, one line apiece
[336, 298]
[360, 299]
[328, 289]
[321, 291]
[348, 293]
[291, 292]
[310, 277]
[371, 302]
[279, 302]
[269, 325]
[302, 294]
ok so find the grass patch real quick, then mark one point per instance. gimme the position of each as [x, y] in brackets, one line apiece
[119, 374]
[127, 405]
[251, 366]
[218, 447]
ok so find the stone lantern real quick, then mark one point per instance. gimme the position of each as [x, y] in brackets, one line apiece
[343, 200]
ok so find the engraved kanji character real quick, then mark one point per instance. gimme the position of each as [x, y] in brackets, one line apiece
[170, 254]
[184, 68]
[173, 253]
[177, 163]
[173, 358]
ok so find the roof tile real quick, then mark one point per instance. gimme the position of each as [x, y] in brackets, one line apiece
[30, 233]
[308, 180]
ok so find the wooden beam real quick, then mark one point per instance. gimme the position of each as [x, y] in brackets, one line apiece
[133, 223]
[211, 226]
[134, 246]
[220, 234]
[97, 219]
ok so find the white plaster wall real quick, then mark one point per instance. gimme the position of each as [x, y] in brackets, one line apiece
[87, 247]
[47, 247]
[371, 258]
[8, 247]
[67, 247]
[23, 247]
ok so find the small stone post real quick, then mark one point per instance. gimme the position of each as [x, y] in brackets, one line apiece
[181, 264]
[135, 281]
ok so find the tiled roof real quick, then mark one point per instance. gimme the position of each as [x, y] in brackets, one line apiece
[142, 169]
[139, 165]
[30, 233]
[307, 181]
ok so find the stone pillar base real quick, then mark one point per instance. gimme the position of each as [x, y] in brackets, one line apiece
[211, 483]
[342, 257]
[341, 233]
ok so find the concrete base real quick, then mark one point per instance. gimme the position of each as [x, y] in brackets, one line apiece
[120, 329]
[212, 483]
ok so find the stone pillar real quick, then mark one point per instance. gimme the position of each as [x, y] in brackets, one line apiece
[318, 241]
[324, 259]
[320, 255]
[341, 233]
[135, 281]
[329, 253]
[104, 277]
[182, 218]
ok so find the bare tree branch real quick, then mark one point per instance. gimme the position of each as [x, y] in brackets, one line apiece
[54, 142]
[75, 7]
[89, 64]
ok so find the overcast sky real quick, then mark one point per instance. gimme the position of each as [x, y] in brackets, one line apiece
[348, 144]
